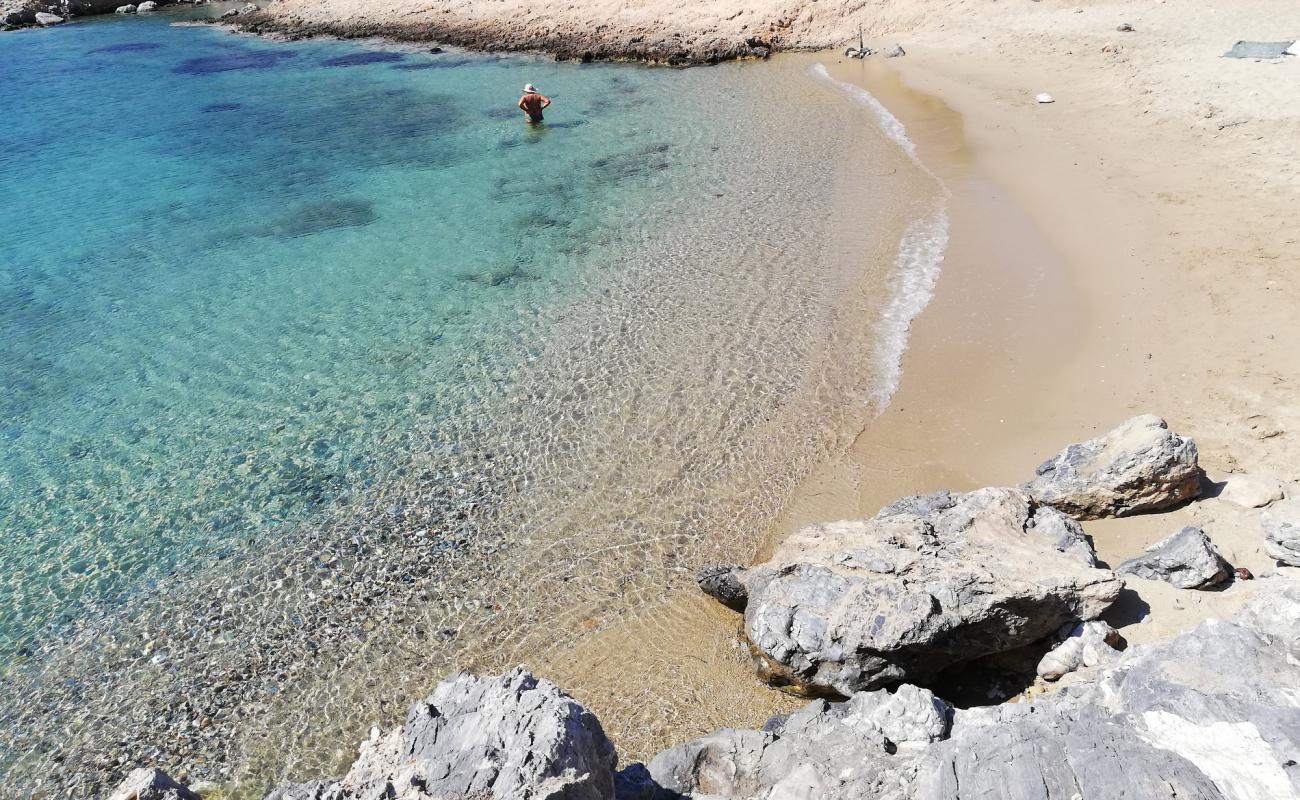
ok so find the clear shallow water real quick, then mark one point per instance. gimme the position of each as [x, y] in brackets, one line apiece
[323, 375]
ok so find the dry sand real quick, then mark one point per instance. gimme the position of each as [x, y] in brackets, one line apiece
[1129, 248]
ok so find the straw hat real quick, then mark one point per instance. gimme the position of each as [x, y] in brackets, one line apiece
[530, 89]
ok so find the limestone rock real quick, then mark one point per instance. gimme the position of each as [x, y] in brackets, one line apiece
[151, 784]
[929, 582]
[1165, 721]
[839, 750]
[126, 9]
[512, 736]
[1139, 466]
[1084, 644]
[1250, 492]
[18, 16]
[723, 584]
[43, 18]
[1187, 559]
[146, 7]
[1282, 531]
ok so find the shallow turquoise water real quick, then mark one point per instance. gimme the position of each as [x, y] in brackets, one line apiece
[323, 374]
[237, 263]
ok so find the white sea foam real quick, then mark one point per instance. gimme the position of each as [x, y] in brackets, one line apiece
[916, 270]
[919, 260]
[890, 124]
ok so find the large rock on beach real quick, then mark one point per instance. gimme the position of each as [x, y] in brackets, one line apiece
[1251, 492]
[44, 19]
[146, 7]
[929, 582]
[1187, 560]
[512, 736]
[1166, 721]
[1140, 466]
[1282, 531]
[151, 784]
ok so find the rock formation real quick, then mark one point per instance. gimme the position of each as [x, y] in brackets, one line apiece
[1282, 532]
[507, 737]
[1166, 721]
[1140, 466]
[1187, 559]
[929, 582]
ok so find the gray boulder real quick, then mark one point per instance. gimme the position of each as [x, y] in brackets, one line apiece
[1209, 715]
[1187, 560]
[1282, 531]
[43, 18]
[151, 784]
[512, 736]
[13, 17]
[1140, 466]
[723, 584]
[126, 9]
[822, 750]
[929, 582]
[146, 7]
[1084, 644]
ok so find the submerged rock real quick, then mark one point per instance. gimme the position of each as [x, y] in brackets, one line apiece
[929, 582]
[151, 784]
[1282, 532]
[723, 584]
[1139, 466]
[1187, 559]
[513, 736]
[1084, 644]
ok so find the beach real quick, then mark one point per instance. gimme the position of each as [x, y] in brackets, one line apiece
[1125, 249]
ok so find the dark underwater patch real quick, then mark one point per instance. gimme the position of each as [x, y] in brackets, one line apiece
[359, 59]
[226, 62]
[126, 47]
[319, 217]
[409, 67]
[503, 113]
[209, 109]
[565, 125]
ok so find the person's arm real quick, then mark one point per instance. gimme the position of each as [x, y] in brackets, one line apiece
[546, 101]
[521, 104]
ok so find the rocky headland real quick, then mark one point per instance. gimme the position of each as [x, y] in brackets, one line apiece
[890, 622]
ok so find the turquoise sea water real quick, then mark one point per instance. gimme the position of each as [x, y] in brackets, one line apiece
[323, 374]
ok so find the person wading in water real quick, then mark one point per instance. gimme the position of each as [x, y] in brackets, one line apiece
[532, 104]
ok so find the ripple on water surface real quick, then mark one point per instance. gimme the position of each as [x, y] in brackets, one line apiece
[327, 381]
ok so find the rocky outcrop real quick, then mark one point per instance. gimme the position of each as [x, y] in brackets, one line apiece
[1140, 466]
[1084, 644]
[146, 7]
[513, 736]
[151, 784]
[822, 750]
[126, 9]
[1282, 532]
[45, 19]
[1187, 559]
[1209, 715]
[929, 582]
[1165, 721]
